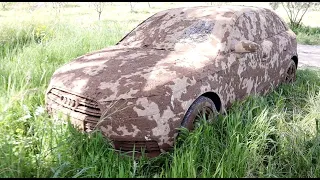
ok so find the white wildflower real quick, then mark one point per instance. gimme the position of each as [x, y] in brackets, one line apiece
[59, 120]
[26, 109]
[28, 116]
[27, 112]
[55, 118]
[39, 111]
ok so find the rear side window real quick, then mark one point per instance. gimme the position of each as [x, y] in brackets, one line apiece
[246, 27]
[274, 23]
[257, 26]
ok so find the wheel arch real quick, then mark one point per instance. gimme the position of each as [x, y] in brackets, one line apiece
[215, 98]
[295, 59]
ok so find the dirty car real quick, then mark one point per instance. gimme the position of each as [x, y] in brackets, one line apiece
[172, 66]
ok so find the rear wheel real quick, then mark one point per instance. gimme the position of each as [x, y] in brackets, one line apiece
[290, 75]
[201, 108]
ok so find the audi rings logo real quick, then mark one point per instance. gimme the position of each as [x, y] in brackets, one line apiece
[69, 102]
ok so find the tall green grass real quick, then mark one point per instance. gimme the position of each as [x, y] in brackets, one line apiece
[307, 35]
[29, 54]
[271, 136]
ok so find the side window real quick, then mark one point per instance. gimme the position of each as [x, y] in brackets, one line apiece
[274, 24]
[248, 27]
[257, 26]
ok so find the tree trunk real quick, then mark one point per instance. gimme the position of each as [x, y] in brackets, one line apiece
[3, 5]
[131, 6]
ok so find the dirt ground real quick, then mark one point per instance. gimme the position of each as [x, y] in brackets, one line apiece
[309, 56]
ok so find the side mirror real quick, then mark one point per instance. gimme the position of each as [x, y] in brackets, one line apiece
[244, 46]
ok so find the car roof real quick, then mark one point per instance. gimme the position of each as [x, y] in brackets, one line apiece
[165, 25]
[237, 10]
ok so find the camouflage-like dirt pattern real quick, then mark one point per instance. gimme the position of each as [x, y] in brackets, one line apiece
[145, 84]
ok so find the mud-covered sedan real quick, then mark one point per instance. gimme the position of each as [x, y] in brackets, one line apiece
[170, 68]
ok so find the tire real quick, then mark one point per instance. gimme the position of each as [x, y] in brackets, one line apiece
[192, 114]
[291, 71]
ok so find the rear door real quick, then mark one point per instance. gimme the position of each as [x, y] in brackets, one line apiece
[249, 66]
[273, 49]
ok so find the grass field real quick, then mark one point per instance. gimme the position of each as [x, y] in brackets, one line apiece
[272, 136]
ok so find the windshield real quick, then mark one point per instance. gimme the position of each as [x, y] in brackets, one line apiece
[168, 29]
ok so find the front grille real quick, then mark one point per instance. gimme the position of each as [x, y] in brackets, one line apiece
[76, 106]
[138, 146]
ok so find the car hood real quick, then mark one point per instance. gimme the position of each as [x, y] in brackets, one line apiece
[120, 72]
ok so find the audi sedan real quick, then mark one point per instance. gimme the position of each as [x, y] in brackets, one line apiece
[174, 66]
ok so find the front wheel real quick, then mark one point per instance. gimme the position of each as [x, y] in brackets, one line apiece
[201, 108]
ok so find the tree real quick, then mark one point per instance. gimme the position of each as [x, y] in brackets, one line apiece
[149, 5]
[295, 10]
[58, 5]
[4, 5]
[99, 7]
[218, 3]
[131, 6]
[274, 5]
[30, 6]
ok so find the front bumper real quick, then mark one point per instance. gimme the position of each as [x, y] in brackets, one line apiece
[127, 134]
